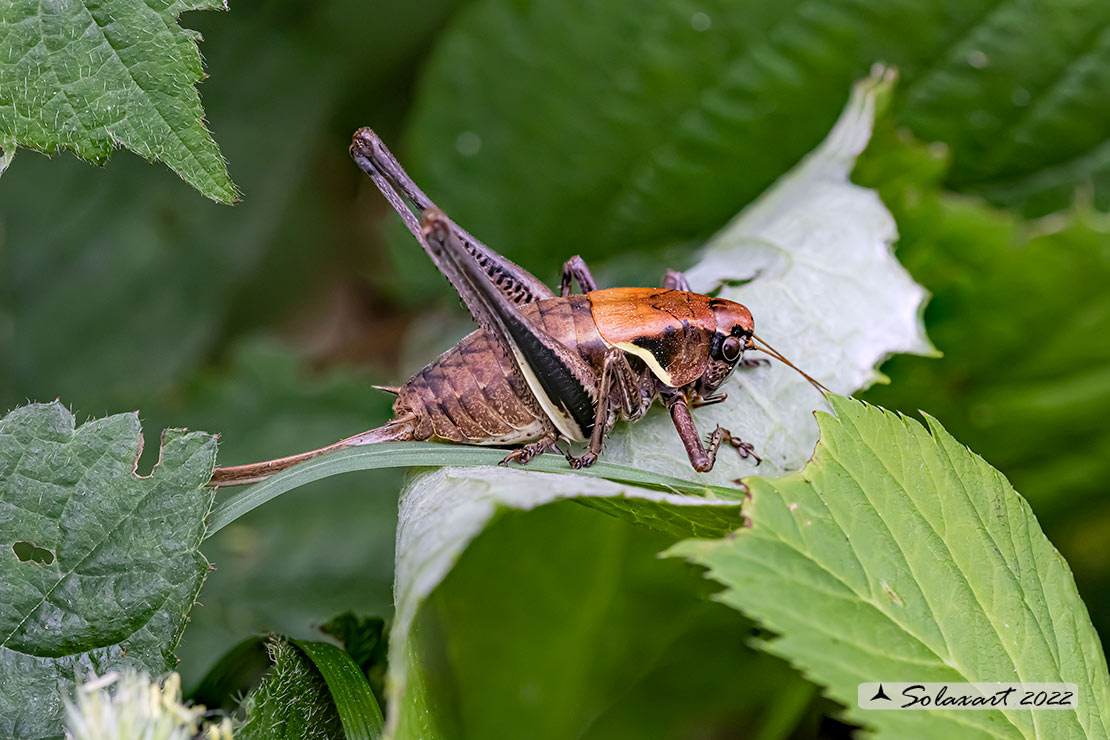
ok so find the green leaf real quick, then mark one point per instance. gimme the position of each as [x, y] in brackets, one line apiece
[1020, 310]
[89, 77]
[292, 703]
[900, 555]
[559, 623]
[1027, 117]
[124, 569]
[443, 511]
[354, 701]
[1033, 407]
[366, 640]
[429, 454]
[794, 241]
[618, 127]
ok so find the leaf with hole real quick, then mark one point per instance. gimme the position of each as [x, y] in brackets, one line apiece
[98, 565]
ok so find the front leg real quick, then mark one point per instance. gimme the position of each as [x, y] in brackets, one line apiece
[575, 269]
[702, 457]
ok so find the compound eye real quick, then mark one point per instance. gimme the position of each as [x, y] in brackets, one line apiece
[731, 348]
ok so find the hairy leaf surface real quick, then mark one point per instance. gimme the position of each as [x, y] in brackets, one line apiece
[899, 555]
[93, 76]
[294, 702]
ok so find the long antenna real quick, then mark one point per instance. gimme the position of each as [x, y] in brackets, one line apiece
[768, 349]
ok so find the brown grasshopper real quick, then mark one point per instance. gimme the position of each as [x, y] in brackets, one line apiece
[544, 368]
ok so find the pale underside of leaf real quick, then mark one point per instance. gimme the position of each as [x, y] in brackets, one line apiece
[813, 260]
[90, 77]
[898, 555]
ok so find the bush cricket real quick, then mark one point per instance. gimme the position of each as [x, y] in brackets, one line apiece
[544, 368]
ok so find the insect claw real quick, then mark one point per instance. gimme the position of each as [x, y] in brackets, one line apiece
[744, 449]
[699, 401]
[584, 461]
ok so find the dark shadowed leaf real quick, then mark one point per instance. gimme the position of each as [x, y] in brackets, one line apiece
[576, 627]
[608, 127]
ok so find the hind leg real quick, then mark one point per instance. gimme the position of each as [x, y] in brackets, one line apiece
[523, 455]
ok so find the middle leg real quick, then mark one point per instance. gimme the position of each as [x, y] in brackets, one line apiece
[619, 383]
[575, 269]
[675, 280]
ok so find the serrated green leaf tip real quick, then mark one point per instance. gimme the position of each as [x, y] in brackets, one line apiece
[127, 79]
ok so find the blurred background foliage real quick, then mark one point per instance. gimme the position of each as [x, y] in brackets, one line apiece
[627, 132]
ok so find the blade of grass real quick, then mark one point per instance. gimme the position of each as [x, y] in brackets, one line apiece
[427, 454]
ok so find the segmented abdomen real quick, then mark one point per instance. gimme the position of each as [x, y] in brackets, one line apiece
[473, 394]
